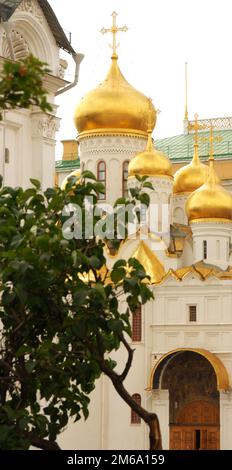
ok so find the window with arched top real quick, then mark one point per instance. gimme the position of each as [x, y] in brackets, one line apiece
[137, 324]
[124, 179]
[205, 249]
[101, 177]
[135, 418]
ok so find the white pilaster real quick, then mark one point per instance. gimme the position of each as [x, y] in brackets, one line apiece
[160, 406]
[44, 128]
[225, 420]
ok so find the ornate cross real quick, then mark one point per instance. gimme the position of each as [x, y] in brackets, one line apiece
[211, 139]
[114, 30]
[196, 127]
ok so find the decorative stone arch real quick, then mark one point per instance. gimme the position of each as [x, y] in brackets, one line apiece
[19, 45]
[222, 377]
[40, 43]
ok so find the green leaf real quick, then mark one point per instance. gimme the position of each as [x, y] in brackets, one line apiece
[118, 274]
[30, 366]
[89, 175]
[144, 199]
[148, 185]
[35, 183]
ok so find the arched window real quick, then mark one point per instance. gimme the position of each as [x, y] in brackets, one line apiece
[135, 419]
[101, 177]
[124, 179]
[137, 324]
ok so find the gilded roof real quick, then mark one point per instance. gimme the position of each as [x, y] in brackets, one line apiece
[152, 265]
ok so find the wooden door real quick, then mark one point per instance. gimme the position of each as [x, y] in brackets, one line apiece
[197, 428]
[194, 438]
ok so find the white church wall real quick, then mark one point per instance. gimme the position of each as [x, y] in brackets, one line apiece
[178, 209]
[160, 406]
[211, 241]
[88, 434]
[226, 420]
[171, 326]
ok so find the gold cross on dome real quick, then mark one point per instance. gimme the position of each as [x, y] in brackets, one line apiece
[211, 139]
[114, 30]
[196, 127]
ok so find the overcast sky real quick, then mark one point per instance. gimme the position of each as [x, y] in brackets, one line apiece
[162, 36]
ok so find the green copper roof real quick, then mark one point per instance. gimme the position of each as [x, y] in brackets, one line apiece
[180, 147]
[67, 165]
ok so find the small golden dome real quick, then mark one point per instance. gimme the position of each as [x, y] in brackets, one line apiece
[151, 162]
[190, 177]
[210, 201]
[114, 104]
[75, 173]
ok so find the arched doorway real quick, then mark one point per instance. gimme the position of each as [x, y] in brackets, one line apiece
[193, 379]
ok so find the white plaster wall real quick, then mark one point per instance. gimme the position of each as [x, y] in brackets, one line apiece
[226, 420]
[87, 434]
[178, 211]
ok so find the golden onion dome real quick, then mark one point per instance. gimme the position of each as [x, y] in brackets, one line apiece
[190, 177]
[151, 162]
[210, 201]
[115, 105]
[76, 174]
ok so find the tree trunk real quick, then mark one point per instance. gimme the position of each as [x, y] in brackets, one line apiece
[151, 419]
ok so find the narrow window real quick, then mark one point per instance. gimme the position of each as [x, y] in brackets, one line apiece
[124, 179]
[204, 249]
[101, 176]
[7, 155]
[137, 324]
[192, 313]
[135, 419]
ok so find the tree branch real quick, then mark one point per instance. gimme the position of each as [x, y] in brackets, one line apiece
[41, 443]
[130, 357]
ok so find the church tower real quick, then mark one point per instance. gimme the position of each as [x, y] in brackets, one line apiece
[111, 121]
[209, 211]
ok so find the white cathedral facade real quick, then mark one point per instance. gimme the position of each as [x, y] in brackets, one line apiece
[182, 367]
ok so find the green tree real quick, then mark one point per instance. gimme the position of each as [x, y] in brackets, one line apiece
[21, 85]
[60, 315]
[59, 305]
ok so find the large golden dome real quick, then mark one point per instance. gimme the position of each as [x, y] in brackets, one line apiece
[115, 105]
[151, 162]
[190, 177]
[210, 201]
